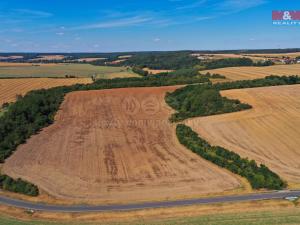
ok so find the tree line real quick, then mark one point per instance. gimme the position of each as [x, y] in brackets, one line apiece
[18, 186]
[258, 176]
[234, 62]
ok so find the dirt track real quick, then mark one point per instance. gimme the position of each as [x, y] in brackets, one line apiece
[115, 146]
[269, 133]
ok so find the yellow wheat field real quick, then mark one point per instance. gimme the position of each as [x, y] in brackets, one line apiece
[10, 88]
[251, 72]
[269, 133]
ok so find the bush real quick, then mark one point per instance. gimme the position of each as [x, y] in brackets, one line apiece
[18, 186]
[140, 71]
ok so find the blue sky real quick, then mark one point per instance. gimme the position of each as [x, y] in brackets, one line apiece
[136, 25]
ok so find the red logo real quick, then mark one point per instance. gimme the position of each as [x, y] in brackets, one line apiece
[286, 15]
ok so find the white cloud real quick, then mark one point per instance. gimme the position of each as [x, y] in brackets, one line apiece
[60, 33]
[239, 5]
[193, 5]
[34, 13]
[115, 23]
[156, 39]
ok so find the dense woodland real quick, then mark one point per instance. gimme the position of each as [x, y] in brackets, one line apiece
[258, 176]
[234, 62]
[201, 100]
[205, 99]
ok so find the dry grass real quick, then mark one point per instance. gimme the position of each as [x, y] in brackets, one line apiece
[246, 73]
[10, 88]
[115, 146]
[269, 133]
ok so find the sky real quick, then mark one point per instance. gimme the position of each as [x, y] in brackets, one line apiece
[137, 25]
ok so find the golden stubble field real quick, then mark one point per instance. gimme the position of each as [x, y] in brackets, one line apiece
[10, 88]
[251, 72]
[115, 146]
[269, 133]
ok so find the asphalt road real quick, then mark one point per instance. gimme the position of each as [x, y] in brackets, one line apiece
[128, 207]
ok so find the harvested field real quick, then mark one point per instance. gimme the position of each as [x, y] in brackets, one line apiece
[61, 70]
[10, 88]
[48, 57]
[115, 146]
[125, 56]
[251, 72]
[269, 133]
[88, 59]
[275, 55]
[13, 64]
[12, 57]
[226, 56]
[151, 71]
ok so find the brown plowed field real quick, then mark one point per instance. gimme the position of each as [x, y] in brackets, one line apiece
[10, 88]
[269, 133]
[115, 146]
[252, 72]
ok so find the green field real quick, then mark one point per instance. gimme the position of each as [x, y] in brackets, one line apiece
[61, 70]
[282, 217]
